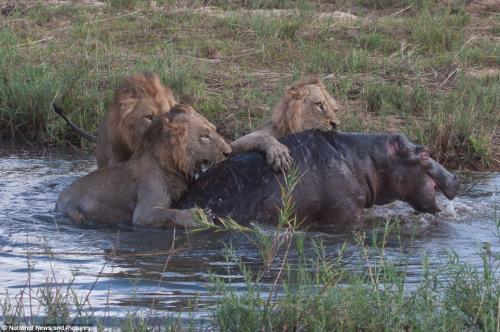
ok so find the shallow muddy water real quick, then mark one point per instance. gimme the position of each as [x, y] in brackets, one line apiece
[122, 270]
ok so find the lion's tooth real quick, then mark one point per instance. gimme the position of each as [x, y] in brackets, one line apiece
[204, 168]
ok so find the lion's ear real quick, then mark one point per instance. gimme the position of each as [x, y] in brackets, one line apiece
[154, 130]
[176, 111]
[173, 124]
[296, 92]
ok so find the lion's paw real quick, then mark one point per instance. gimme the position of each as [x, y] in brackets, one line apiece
[278, 157]
[186, 218]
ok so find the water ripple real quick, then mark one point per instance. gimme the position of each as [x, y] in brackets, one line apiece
[126, 268]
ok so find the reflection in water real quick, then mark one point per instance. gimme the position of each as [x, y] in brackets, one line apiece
[124, 269]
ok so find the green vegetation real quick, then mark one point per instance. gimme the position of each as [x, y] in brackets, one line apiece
[321, 294]
[426, 68]
[357, 287]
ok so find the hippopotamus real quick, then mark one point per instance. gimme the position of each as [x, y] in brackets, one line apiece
[341, 174]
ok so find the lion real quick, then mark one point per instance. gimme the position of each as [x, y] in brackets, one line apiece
[143, 189]
[137, 100]
[305, 105]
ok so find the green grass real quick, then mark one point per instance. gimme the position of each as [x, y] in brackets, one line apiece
[357, 287]
[415, 65]
[316, 292]
[321, 294]
[440, 33]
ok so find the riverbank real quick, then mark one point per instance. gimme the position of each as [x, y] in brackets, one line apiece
[429, 69]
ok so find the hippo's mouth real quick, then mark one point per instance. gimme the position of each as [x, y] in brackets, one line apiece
[448, 184]
[425, 200]
[428, 207]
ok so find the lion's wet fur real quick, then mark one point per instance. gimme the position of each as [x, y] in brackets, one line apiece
[143, 188]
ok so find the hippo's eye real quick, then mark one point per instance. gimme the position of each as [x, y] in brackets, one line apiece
[319, 105]
[149, 117]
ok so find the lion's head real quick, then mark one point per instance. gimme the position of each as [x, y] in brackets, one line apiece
[183, 141]
[137, 101]
[306, 105]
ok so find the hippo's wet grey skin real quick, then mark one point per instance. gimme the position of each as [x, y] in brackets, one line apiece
[341, 174]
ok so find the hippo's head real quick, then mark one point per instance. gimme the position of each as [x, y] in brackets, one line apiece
[414, 177]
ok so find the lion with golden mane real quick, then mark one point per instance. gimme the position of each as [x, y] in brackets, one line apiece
[305, 105]
[137, 101]
[143, 189]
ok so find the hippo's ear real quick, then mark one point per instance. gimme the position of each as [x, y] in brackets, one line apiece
[399, 146]
[423, 155]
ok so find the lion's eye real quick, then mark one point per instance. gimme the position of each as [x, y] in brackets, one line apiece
[149, 117]
[320, 106]
[206, 139]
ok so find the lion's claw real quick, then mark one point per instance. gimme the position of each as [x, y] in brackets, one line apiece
[210, 214]
[278, 157]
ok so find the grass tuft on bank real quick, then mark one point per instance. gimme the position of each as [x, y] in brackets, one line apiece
[426, 68]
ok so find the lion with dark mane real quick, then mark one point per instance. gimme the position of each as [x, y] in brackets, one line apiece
[143, 189]
[305, 105]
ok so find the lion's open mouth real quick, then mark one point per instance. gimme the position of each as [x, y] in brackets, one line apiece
[331, 126]
[201, 167]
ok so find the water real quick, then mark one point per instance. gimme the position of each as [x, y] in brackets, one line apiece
[122, 270]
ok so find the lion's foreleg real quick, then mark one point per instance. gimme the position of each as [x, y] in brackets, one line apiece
[163, 216]
[250, 142]
[277, 154]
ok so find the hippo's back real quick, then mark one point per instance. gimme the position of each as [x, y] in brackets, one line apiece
[243, 187]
